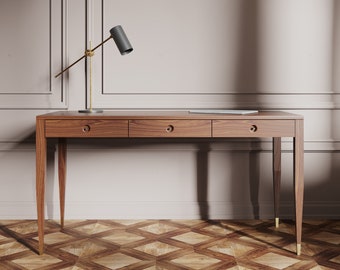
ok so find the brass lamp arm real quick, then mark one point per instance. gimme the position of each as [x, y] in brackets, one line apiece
[87, 53]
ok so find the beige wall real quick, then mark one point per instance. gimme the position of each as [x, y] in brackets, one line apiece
[261, 54]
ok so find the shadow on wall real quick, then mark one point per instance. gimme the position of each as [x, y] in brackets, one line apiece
[245, 83]
[247, 54]
[326, 185]
[248, 83]
[335, 168]
[248, 80]
[330, 186]
[50, 167]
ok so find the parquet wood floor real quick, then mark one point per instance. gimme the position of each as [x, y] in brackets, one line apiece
[169, 245]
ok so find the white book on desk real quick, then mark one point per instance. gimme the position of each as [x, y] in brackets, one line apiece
[224, 111]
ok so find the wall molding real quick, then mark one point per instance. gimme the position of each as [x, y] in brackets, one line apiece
[53, 96]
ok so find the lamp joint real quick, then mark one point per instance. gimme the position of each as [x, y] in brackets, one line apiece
[89, 53]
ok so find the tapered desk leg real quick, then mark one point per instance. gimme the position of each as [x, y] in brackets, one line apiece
[298, 181]
[276, 176]
[40, 179]
[62, 148]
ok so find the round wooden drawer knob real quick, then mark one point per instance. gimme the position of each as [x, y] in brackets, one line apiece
[169, 128]
[253, 128]
[86, 128]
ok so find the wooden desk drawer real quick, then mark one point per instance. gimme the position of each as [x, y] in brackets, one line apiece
[86, 128]
[253, 128]
[170, 128]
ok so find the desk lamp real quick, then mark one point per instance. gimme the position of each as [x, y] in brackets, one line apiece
[123, 45]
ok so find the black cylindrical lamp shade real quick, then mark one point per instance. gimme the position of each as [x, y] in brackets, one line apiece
[121, 40]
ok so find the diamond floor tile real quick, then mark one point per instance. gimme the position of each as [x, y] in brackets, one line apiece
[93, 228]
[192, 238]
[158, 228]
[169, 245]
[196, 261]
[328, 237]
[275, 260]
[116, 261]
[122, 237]
[11, 248]
[336, 259]
[157, 248]
[83, 248]
[230, 248]
[217, 230]
[57, 237]
[35, 261]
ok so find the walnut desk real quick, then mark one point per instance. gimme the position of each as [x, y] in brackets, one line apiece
[168, 124]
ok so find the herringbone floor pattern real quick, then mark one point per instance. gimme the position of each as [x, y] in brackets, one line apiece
[169, 245]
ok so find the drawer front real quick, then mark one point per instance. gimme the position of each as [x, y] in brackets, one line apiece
[170, 128]
[86, 128]
[253, 128]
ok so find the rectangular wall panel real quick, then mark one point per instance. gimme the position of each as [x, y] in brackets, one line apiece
[32, 51]
[216, 54]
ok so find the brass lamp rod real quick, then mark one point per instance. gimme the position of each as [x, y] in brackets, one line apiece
[85, 55]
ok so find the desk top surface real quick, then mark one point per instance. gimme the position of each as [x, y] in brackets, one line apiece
[167, 114]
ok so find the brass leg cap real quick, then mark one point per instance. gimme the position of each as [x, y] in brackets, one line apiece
[298, 249]
[277, 222]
